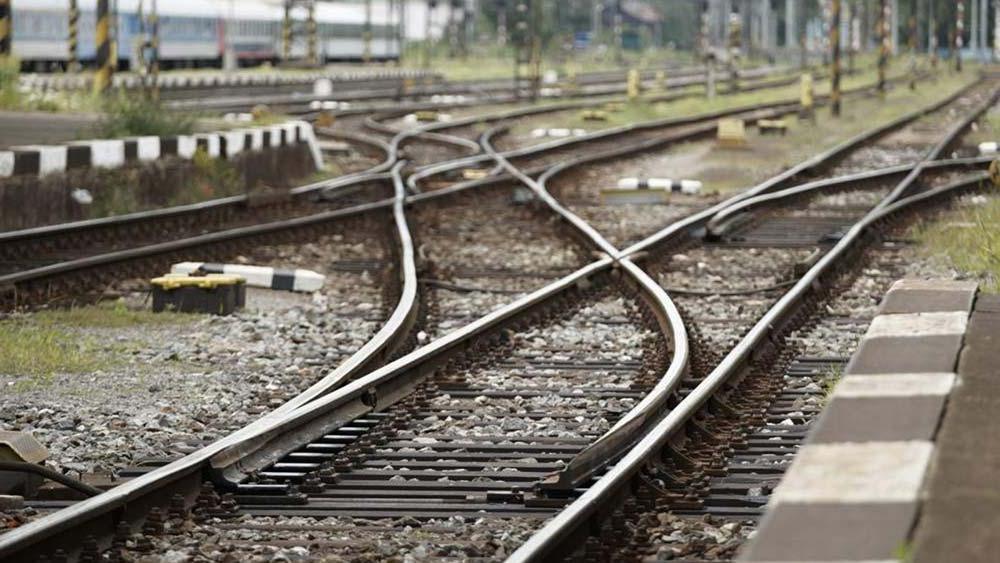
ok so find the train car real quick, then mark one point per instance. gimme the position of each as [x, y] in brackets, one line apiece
[189, 33]
[196, 33]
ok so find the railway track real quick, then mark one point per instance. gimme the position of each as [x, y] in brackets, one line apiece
[35, 261]
[756, 380]
[499, 369]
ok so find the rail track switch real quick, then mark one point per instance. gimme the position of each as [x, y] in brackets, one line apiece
[772, 127]
[213, 294]
[22, 447]
[732, 133]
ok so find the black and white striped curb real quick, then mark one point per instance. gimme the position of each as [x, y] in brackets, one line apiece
[666, 184]
[219, 80]
[855, 489]
[41, 160]
[258, 276]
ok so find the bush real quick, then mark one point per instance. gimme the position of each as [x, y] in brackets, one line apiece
[10, 94]
[126, 116]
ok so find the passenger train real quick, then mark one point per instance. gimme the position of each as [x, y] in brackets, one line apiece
[196, 33]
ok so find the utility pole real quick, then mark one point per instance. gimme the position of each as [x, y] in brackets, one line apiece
[367, 33]
[619, 33]
[835, 54]
[5, 28]
[959, 30]
[431, 4]
[105, 51]
[311, 34]
[501, 22]
[73, 64]
[527, 46]
[984, 24]
[883, 39]
[286, 32]
[154, 52]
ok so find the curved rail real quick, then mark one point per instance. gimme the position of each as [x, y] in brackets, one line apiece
[566, 530]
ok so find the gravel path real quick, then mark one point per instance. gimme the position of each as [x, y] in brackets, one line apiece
[175, 387]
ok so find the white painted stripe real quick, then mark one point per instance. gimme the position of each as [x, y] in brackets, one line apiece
[871, 472]
[105, 153]
[934, 285]
[894, 385]
[258, 276]
[6, 164]
[275, 136]
[186, 146]
[235, 141]
[913, 325]
[256, 138]
[309, 136]
[147, 148]
[308, 281]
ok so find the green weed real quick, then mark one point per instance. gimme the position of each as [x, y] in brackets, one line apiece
[124, 115]
[969, 239]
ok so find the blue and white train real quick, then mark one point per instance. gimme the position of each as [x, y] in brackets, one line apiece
[196, 33]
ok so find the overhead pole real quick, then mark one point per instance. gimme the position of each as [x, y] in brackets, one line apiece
[959, 30]
[154, 52]
[996, 30]
[883, 39]
[431, 4]
[367, 33]
[400, 30]
[312, 34]
[102, 39]
[286, 32]
[835, 58]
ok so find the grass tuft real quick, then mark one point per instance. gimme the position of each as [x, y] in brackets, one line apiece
[36, 347]
[969, 238]
[130, 115]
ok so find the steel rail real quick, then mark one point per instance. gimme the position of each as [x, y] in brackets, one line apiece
[574, 220]
[595, 458]
[374, 174]
[789, 175]
[190, 467]
[132, 498]
[571, 525]
[716, 226]
[437, 168]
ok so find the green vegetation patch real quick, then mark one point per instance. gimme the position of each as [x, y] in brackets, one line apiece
[35, 347]
[131, 115]
[969, 238]
[106, 315]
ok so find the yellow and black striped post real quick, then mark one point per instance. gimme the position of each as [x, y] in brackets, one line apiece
[286, 32]
[6, 29]
[311, 31]
[835, 67]
[105, 70]
[73, 63]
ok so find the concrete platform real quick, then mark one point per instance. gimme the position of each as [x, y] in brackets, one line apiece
[875, 467]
